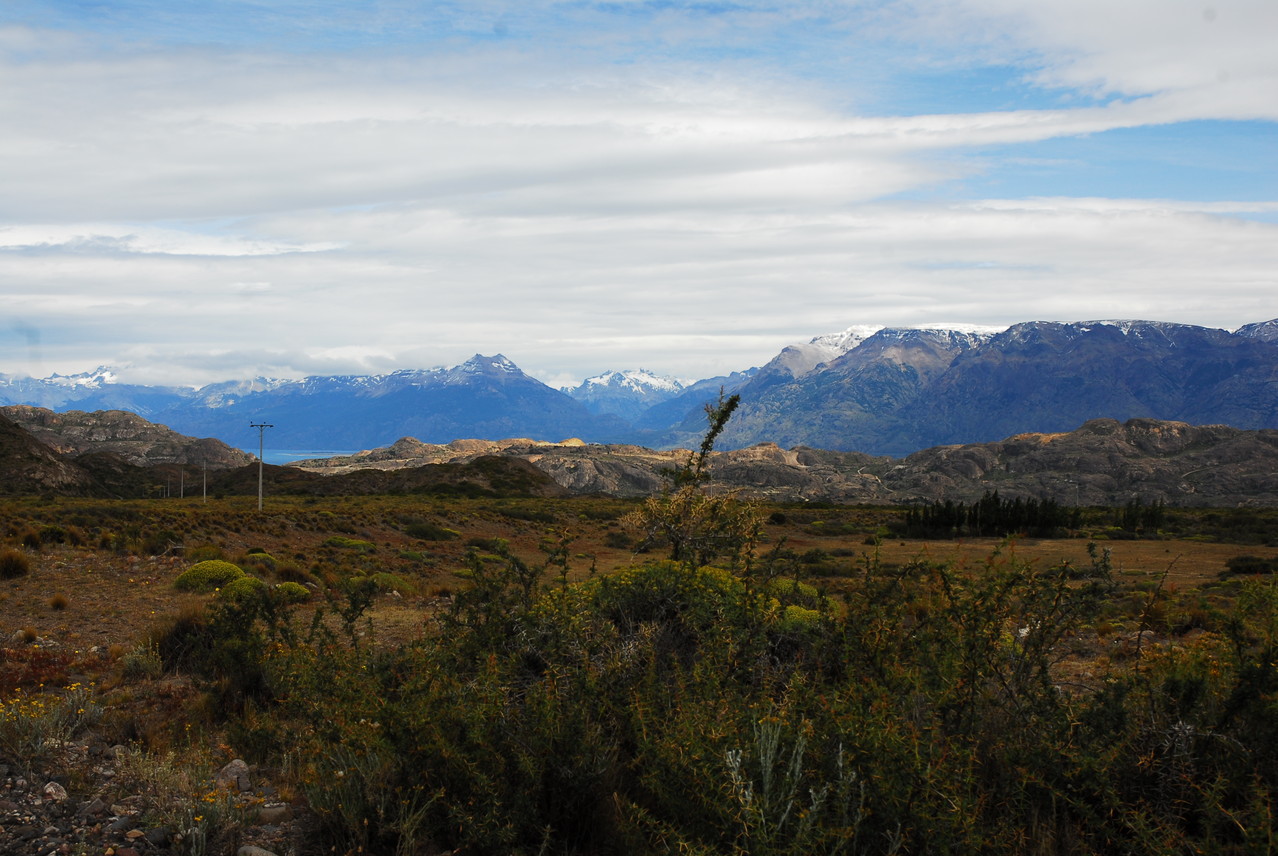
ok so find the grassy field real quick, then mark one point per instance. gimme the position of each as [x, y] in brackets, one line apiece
[101, 571]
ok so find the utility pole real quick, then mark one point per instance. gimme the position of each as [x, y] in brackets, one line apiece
[261, 435]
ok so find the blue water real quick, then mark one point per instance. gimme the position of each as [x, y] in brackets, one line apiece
[288, 456]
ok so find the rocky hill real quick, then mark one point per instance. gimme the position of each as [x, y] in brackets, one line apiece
[1103, 462]
[93, 467]
[27, 466]
[124, 434]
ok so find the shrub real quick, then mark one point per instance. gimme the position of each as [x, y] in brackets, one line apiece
[242, 588]
[182, 641]
[142, 661]
[355, 544]
[617, 540]
[178, 798]
[13, 564]
[430, 532]
[204, 552]
[260, 559]
[58, 602]
[1251, 565]
[530, 515]
[488, 545]
[291, 592]
[35, 727]
[53, 534]
[289, 571]
[207, 576]
[387, 582]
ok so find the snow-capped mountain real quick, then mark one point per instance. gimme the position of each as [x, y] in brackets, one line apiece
[875, 390]
[626, 394]
[94, 390]
[1266, 331]
[900, 390]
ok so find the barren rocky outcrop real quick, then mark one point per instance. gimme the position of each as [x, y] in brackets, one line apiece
[125, 434]
[1103, 462]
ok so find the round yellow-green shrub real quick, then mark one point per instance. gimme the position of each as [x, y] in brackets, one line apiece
[291, 592]
[242, 587]
[207, 576]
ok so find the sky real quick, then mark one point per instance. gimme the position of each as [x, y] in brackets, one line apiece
[197, 192]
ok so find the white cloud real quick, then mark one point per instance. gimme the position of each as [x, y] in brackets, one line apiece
[213, 212]
[1209, 58]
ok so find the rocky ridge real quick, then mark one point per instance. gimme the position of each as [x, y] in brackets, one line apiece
[1103, 462]
[121, 433]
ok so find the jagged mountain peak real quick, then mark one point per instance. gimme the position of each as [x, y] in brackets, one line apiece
[1265, 331]
[93, 379]
[625, 393]
[950, 337]
[796, 361]
[632, 379]
[846, 340]
[496, 364]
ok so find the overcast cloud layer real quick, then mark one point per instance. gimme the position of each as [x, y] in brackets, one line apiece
[294, 188]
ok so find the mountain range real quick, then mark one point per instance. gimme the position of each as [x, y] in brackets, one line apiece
[880, 391]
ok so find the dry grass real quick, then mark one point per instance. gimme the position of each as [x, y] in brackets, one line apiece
[108, 598]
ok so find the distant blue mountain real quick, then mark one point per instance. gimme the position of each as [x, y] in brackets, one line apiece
[879, 391]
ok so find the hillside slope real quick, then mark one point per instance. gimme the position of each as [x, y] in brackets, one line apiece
[1103, 462]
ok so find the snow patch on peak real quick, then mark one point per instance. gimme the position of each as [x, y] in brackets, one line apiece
[625, 393]
[845, 340]
[968, 337]
[87, 380]
[1123, 326]
[482, 364]
[851, 338]
[1266, 331]
[637, 380]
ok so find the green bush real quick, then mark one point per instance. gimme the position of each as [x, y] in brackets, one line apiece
[204, 552]
[260, 559]
[487, 545]
[617, 540]
[1251, 565]
[142, 661]
[424, 531]
[182, 641]
[208, 576]
[291, 592]
[387, 582]
[241, 588]
[355, 544]
[288, 571]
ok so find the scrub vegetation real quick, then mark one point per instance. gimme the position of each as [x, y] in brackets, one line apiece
[693, 673]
